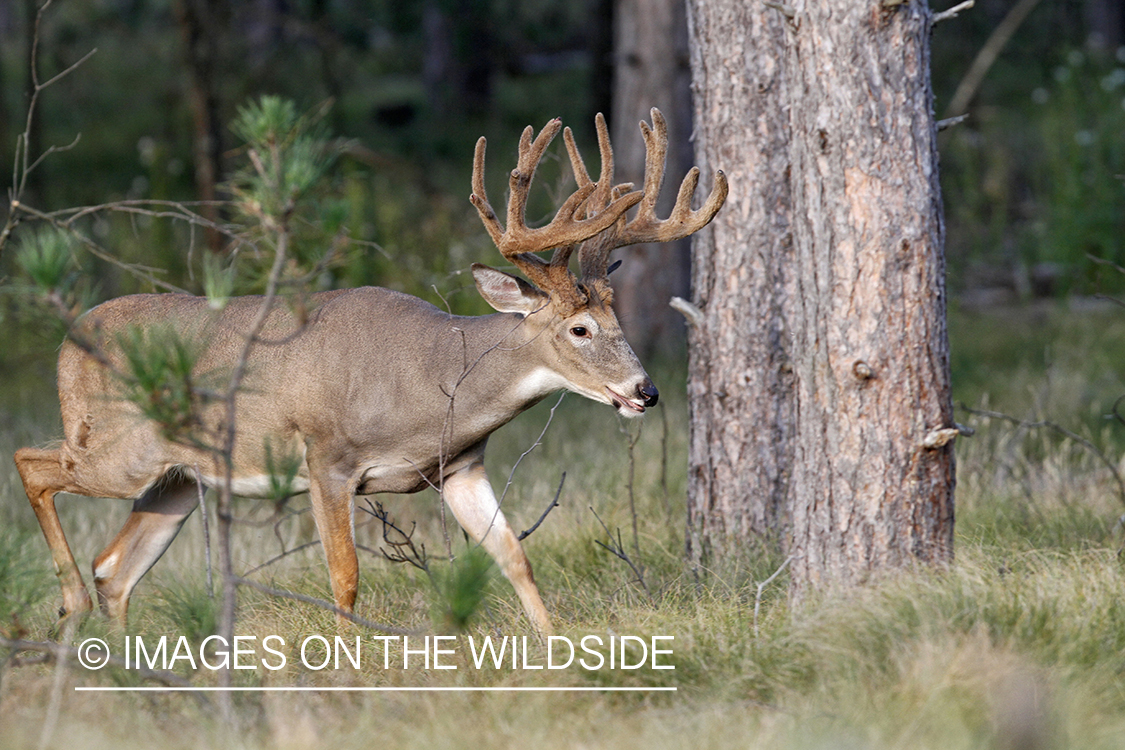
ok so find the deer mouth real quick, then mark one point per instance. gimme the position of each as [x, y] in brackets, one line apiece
[624, 403]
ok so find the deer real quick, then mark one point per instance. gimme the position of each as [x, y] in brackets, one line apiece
[374, 391]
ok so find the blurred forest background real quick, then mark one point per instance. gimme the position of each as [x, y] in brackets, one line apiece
[1032, 180]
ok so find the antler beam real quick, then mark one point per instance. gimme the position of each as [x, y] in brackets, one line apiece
[594, 215]
[645, 226]
[517, 242]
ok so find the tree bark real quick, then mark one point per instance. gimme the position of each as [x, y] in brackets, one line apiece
[34, 145]
[819, 366]
[202, 24]
[651, 70]
[869, 336]
[460, 58]
[740, 388]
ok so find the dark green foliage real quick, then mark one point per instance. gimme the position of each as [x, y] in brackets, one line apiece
[1034, 176]
[288, 155]
[47, 257]
[282, 471]
[190, 608]
[460, 588]
[160, 379]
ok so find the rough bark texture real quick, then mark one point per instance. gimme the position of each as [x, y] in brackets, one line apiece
[651, 70]
[740, 388]
[870, 347]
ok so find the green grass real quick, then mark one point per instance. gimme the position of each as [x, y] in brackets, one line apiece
[1020, 643]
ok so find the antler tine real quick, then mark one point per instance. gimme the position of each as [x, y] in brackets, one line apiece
[479, 198]
[645, 226]
[519, 182]
[682, 221]
[603, 196]
[581, 176]
[571, 225]
[656, 152]
[604, 193]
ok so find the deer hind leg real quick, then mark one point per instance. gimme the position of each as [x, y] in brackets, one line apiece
[332, 506]
[470, 497]
[157, 517]
[43, 477]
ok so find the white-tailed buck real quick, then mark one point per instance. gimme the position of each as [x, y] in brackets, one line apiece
[376, 391]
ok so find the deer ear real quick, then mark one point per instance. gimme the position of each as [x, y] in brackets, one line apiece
[507, 293]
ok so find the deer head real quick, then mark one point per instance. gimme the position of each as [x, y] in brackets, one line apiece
[576, 313]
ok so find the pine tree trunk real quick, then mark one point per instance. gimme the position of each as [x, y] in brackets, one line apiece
[740, 388]
[870, 348]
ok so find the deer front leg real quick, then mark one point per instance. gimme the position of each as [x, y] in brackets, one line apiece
[158, 515]
[470, 497]
[332, 507]
[43, 477]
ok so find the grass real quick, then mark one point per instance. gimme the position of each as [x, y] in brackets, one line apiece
[1021, 643]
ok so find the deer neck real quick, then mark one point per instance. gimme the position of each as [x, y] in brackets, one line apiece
[508, 364]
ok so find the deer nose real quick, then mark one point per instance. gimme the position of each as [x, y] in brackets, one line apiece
[647, 391]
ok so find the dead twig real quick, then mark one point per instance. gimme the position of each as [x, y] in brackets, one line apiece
[953, 12]
[950, 122]
[762, 587]
[554, 504]
[206, 532]
[631, 444]
[533, 446]
[52, 651]
[403, 549]
[284, 554]
[1085, 443]
[616, 548]
[361, 621]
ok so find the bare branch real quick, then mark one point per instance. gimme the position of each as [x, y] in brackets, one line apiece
[54, 650]
[284, 554]
[953, 12]
[1062, 431]
[361, 621]
[762, 587]
[950, 122]
[206, 531]
[554, 504]
[692, 313]
[533, 446]
[616, 548]
[403, 549]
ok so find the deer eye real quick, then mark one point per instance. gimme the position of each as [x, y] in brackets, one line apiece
[580, 332]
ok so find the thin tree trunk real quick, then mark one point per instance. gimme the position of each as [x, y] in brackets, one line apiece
[460, 58]
[651, 70]
[870, 344]
[201, 25]
[34, 145]
[740, 388]
[5, 116]
[599, 33]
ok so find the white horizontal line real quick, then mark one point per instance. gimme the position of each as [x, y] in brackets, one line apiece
[294, 689]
